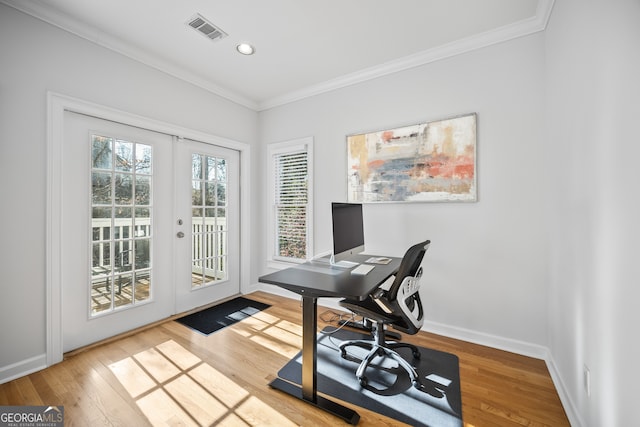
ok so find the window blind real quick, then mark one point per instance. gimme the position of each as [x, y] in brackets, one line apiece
[291, 195]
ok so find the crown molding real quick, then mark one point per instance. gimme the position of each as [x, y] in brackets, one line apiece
[518, 29]
[50, 16]
[522, 28]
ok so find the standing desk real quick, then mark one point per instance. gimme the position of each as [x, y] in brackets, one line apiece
[313, 280]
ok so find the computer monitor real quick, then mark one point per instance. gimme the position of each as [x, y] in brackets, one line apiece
[348, 230]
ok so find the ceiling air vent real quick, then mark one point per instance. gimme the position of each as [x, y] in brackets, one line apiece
[206, 28]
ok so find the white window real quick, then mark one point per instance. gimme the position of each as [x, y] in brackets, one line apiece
[290, 191]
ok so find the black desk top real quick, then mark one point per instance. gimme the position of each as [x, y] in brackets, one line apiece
[319, 279]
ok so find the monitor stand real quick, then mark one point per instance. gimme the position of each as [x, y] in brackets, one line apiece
[343, 263]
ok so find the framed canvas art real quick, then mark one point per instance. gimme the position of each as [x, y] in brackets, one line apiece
[429, 162]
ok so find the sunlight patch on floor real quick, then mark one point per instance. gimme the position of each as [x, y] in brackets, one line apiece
[280, 336]
[172, 386]
[255, 411]
[284, 336]
[195, 399]
[179, 355]
[250, 326]
[161, 409]
[266, 317]
[219, 385]
[158, 366]
[133, 378]
[276, 346]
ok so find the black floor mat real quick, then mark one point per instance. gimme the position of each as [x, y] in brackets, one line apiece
[220, 316]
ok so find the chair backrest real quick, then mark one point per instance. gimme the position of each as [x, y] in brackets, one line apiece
[408, 266]
[403, 298]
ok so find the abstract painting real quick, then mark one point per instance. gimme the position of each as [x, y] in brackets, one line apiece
[429, 162]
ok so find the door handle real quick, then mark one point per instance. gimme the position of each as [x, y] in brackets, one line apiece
[180, 234]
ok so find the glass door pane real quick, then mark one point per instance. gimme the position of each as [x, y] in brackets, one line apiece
[121, 207]
[209, 220]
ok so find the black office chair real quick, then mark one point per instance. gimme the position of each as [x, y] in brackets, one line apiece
[399, 307]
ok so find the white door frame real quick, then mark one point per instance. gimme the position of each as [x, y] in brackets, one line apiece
[57, 104]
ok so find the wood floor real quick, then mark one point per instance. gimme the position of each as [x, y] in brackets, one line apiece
[171, 375]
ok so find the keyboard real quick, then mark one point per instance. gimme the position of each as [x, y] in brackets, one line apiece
[362, 269]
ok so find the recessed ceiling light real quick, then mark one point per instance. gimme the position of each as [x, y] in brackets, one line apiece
[245, 49]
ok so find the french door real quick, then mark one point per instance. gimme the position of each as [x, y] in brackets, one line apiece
[130, 224]
[207, 208]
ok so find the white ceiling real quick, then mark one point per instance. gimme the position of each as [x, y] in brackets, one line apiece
[303, 47]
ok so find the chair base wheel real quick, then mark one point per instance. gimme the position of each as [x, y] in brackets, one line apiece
[416, 384]
[363, 381]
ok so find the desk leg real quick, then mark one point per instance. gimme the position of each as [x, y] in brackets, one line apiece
[309, 390]
[309, 348]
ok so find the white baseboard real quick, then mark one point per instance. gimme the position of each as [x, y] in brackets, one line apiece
[494, 341]
[567, 403]
[275, 290]
[22, 368]
[245, 290]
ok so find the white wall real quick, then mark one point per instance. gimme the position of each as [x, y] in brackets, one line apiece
[546, 257]
[35, 58]
[486, 268]
[593, 150]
